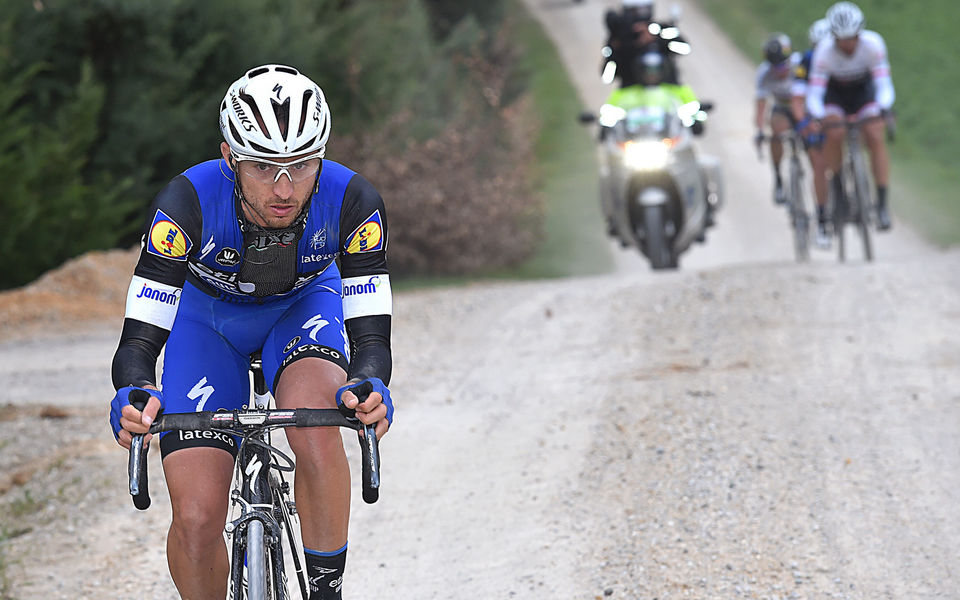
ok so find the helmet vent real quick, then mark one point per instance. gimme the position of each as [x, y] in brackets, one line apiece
[282, 112]
[283, 69]
[304, 109]
[236, 134]
[252, 105]
[254, 72]
[304, 147]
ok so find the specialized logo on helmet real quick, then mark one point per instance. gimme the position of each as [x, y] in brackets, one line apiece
[245, 121]
[368, 237]
[167, 239]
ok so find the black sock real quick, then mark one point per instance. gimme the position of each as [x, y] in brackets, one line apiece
[821, 214]
[881, 196]
[776, 174]
[325, 572]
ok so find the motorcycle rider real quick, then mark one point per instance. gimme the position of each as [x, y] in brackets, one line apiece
[631, 33]
[850, 78]
[813, 142]
[651, 90]
[775, 79]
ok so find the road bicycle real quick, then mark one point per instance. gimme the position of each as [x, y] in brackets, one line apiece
[795, 201]
[265, 528]
[855, 205]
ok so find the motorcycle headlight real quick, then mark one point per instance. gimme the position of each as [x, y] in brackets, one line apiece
[646, 155]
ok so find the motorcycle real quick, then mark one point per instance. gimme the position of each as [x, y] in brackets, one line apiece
[656, 192]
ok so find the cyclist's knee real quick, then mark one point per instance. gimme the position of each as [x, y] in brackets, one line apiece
[197, 529]
[318, 443]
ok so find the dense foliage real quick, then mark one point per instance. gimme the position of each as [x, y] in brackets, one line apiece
[105, 100]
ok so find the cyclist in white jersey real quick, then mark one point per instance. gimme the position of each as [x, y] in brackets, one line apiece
[850, 78]
[819, 30]
[775, 80]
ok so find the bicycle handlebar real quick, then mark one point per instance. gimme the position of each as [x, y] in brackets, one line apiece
[240, 421]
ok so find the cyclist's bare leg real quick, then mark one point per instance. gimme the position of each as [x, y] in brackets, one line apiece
[833, 133]
[322, 478]
[778, 124]
[196, 552]
[874, 132]
[817, 164]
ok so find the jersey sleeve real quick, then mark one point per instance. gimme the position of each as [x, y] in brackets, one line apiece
[880, 72]
[817, 82]
[760, 81]
[367, 297]
[173, 228]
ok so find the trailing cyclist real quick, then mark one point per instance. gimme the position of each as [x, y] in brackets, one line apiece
[850, 79]
[775, 80]
[813, 142]
[240, 255]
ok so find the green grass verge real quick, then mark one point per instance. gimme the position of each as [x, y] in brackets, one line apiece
[574, 240]
[564, 174]
[922, 63]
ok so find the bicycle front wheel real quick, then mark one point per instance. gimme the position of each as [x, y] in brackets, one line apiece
[798, 213]
[864, 207]
[256, 562]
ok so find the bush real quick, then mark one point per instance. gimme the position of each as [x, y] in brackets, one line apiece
[111, 98]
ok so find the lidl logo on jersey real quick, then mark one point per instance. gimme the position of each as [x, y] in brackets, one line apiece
[368, 237]
[167, 239]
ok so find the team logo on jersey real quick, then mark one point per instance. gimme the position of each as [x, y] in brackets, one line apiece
[368, 237]
[228, 257]
[167, 239]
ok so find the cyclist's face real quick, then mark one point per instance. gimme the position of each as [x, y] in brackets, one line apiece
[275, 203]
[848, 45]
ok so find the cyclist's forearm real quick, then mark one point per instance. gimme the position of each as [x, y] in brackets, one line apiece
[135, 362]
[370, 354]
[815, 95]
[884, 91]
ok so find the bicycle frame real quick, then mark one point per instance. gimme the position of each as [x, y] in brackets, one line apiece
[858, 198]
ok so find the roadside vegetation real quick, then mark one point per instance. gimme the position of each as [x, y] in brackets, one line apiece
[105, 101]
[924, 75]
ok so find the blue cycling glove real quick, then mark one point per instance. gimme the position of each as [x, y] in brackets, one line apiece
[364, 388]
[122, 399]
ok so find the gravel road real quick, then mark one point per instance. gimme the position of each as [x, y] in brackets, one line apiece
[744, 428]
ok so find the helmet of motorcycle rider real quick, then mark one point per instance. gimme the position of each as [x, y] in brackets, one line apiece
[639, 10]
[819, 30]
[649, 67]
[273, 111]
[777, 49]
[846, 20]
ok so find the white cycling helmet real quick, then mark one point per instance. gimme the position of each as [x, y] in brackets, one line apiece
[273, 112]
[637, 3]
[819, 30]
[846, 19]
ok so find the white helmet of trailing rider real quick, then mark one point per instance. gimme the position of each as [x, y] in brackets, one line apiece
[273, 112]
[819, 30]
[637, 3]
[846, 19]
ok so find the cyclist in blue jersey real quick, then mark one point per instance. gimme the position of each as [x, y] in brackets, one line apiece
[819, 30]
[270, 248]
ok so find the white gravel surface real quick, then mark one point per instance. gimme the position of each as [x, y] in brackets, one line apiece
[744, 428]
